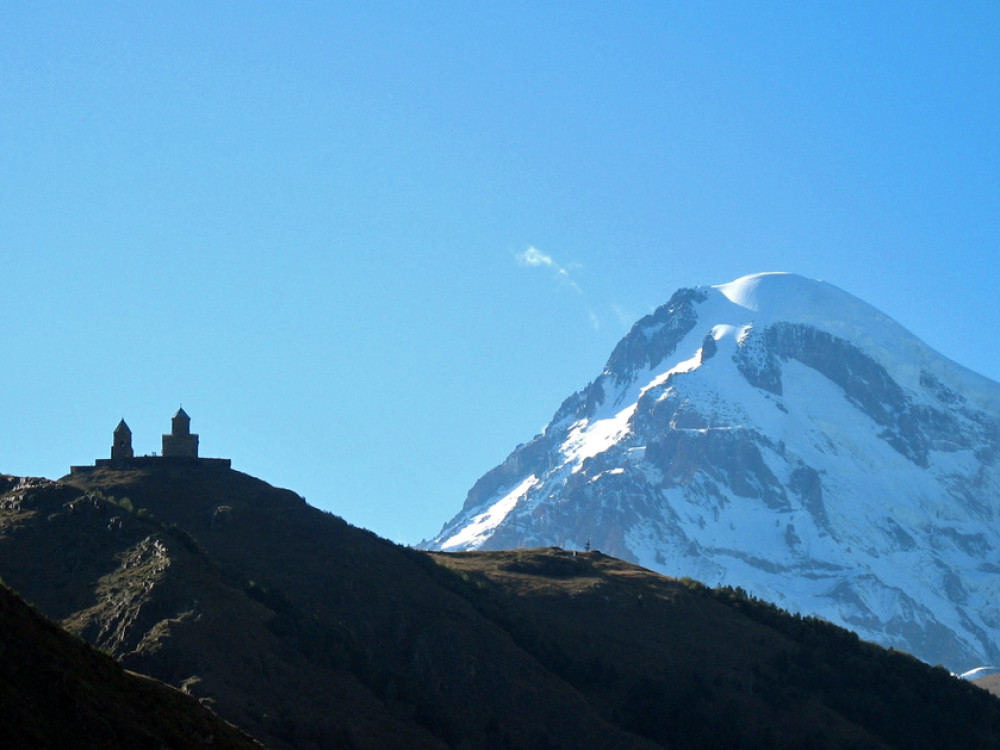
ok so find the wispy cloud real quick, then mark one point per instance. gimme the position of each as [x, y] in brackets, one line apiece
[536, 258]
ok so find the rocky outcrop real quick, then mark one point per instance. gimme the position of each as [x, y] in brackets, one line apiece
[655, 336]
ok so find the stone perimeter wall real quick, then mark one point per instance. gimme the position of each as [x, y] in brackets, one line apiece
[145, 461]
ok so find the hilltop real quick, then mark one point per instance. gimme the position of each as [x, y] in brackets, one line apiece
[307, 632]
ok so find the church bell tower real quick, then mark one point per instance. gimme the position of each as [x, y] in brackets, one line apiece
[121, 443]
[180, 442]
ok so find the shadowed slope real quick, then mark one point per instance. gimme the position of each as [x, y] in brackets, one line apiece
[308, 632]
[56, 691]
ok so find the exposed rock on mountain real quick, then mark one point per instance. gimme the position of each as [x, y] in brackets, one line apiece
[779, 435]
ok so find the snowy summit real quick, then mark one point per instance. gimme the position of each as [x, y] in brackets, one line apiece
[778, 434]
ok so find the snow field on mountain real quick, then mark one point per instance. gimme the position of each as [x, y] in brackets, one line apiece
[481, 525]
[822, 499]
[796, 299]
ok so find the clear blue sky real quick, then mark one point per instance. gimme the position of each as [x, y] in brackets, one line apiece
[372, 246]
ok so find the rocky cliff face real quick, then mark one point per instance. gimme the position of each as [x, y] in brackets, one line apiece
[779, 435]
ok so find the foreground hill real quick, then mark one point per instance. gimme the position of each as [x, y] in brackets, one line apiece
[780, 435]
[56, 691]
[307, 632]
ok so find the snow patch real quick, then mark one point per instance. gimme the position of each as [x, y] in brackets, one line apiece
[480, 526]
[586, 439]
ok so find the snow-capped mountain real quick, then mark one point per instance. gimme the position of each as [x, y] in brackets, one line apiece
[778, 434]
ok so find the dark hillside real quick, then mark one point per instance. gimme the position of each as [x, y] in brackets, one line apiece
[990, 682]
[56, 691]
[408, 660]
[146, 591]
[308, 632]
[690, 666]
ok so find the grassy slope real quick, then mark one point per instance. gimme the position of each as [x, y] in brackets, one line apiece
[694, 667]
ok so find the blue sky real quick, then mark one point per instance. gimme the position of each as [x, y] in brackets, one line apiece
[372, 246]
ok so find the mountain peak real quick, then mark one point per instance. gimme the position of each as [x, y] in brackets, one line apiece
[766, 298]
[780, 291]
[779, 434]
